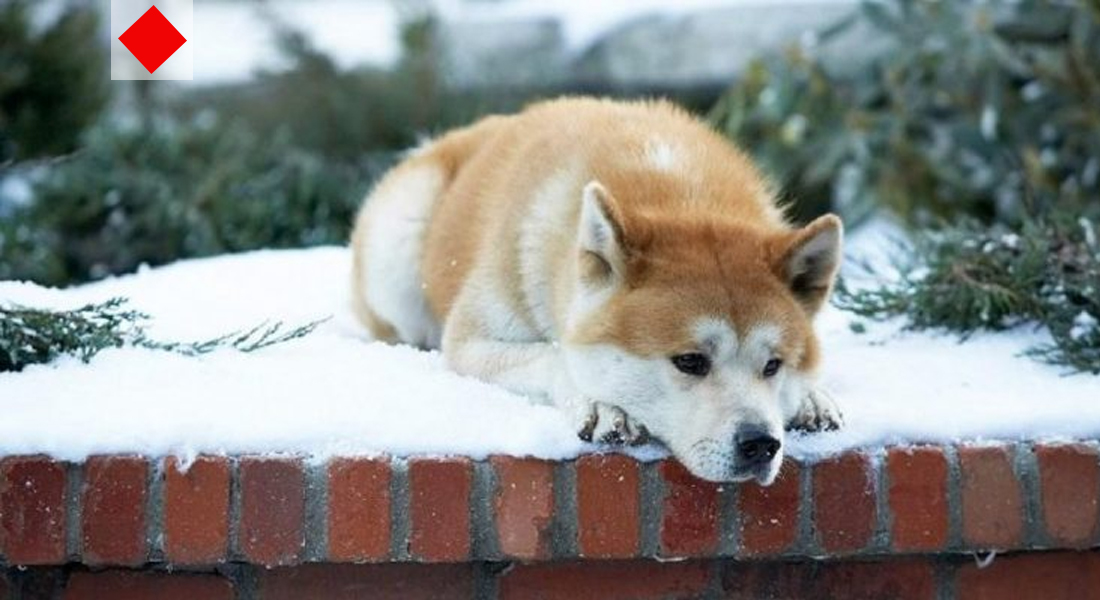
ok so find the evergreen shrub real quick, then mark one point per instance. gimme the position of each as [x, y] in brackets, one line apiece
[973, 110]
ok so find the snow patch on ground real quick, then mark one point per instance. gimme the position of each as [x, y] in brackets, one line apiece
[1083, 324]
[334, 392]
[235, 39]
[584, 23]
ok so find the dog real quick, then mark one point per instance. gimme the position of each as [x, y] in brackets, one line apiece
[620, 260]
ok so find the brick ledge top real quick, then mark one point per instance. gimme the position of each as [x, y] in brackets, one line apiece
[278, 510]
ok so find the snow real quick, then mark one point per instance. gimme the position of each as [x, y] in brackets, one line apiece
[334, 393]
[329, 393]
[236, 39]
[1083, 325]
[583, 23]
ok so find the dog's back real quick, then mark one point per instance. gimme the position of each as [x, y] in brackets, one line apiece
[504, 195]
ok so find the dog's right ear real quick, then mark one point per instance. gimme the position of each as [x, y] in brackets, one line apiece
[601, 235]
[810, 262]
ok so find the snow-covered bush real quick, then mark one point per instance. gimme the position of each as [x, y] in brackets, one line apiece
[175, 190]
[975, 122]
[283, 162]
[973, 277]
[984, 110]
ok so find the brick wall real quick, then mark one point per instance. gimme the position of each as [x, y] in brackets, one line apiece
[892, 523]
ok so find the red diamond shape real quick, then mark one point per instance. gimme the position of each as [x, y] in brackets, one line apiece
[152, 39]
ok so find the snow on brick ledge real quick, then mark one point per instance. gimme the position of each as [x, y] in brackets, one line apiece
[333, 393]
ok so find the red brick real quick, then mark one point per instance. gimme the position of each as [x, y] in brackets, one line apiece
[1070, 480]
[439, 509]
[196, 511]
[358, 509]
[1045, 576]
[606, 580]
[135, 585]
[607, 506]
[992, 508]
[376, 582]
[844, 503]
[769, 515]
[689, 525]
[893, 579]
[272, 510]
[113, 510]
[32, 510]
[524, 506]
[918, 498]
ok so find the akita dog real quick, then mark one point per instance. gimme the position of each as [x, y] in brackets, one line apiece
[618, 259]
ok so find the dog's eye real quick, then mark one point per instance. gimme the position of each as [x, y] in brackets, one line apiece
[772, 367]
[693, 364]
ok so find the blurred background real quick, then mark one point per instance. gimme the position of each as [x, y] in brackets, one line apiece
[968, 120]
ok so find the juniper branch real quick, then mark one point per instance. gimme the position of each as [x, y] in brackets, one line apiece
[34, 336]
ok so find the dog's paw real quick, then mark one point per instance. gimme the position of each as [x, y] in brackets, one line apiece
[609, 424]
[818, 412]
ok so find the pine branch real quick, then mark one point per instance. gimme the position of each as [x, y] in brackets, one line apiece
[35, 336]
[251, 340]
[31, 335]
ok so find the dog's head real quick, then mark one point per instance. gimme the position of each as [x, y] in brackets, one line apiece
[701, 331]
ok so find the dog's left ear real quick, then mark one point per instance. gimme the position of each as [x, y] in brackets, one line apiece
[809, 260]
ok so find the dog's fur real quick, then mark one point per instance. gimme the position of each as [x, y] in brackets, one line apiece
[569, 251]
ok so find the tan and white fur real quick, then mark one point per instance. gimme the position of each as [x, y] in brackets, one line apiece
[578, 251]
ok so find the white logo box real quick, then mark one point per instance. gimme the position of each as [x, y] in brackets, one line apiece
[179, 67]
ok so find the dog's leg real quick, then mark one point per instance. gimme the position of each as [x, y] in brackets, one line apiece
[537, 369]
[816, 411]
[532, 367]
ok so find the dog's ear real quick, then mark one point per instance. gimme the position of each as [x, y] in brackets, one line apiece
[809, 260]
[601, 235]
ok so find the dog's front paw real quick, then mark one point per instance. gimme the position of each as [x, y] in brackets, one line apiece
[610, 424]
[818, 412]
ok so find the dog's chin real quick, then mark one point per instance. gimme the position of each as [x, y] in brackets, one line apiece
[761, 474]
[766, 476]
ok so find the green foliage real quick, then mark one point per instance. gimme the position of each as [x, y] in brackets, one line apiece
[973, 278]
[177, 190]
[35, 336]
[31, 336]
[984, 115]
[204, 181]
[53, 84]
[986, 110]
[788, 113]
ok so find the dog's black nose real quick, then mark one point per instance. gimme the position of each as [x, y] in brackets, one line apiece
[756, 446]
